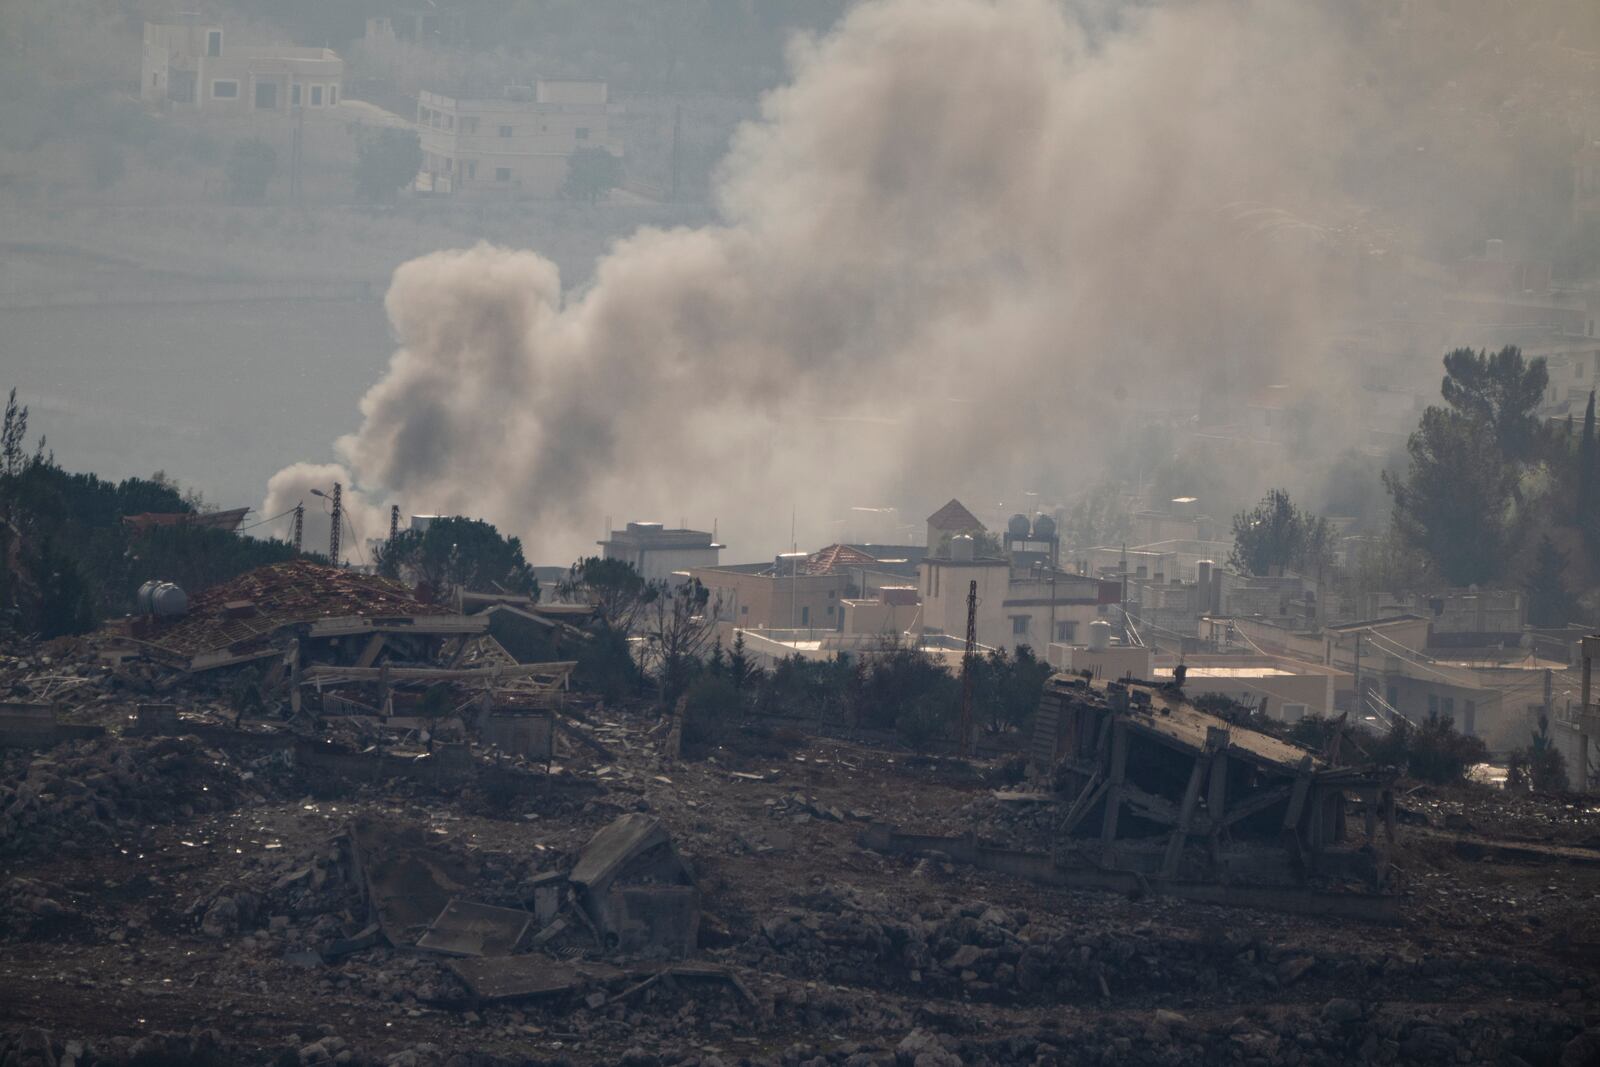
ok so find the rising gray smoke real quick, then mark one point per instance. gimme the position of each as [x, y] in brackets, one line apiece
[964, 247]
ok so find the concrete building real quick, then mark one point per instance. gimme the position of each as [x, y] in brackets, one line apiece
[1113, 661]
[1180, 520]
[1032, 608]
[1497, 696]
[517, 145]
[781, 595]
[189, 65]
[893, 612]
[658, 553]
[1285, 689]
[949, 521]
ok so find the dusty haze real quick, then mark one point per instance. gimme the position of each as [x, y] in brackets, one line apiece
[965, 248]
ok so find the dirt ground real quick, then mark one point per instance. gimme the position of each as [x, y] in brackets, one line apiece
[161, 896]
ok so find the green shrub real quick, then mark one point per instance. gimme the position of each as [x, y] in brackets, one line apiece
[711, 707]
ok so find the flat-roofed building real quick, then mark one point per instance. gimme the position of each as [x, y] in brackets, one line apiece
[516, 145]
[657, 552]
[189, 65]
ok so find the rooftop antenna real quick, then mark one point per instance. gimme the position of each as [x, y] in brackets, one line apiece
[394, 522]
[299, 524]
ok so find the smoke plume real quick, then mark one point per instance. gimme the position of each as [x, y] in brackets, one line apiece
[969, 244]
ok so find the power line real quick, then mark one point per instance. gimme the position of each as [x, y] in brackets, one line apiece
[263, 522]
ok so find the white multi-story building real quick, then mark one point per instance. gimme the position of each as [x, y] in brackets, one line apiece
[517, 145]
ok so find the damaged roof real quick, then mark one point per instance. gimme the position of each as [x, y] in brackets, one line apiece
[280, 595]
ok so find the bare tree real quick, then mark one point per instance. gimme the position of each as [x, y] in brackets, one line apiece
[681, 621]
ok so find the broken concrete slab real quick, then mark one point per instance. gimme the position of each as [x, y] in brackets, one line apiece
[466, 928]
[407, 883]
[636, 890]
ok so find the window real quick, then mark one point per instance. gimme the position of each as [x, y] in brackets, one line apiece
[1066, 631]
[830, 609]
[1433, 705]
[155, 79]
[744, 609]
[1394, 697]
[316, 96]
[1469, 718]
[225, 90]
[505, 131]
[469, 125]
[333, 95]
[472, 168]
[1294, 712]
[1449, 707]
[267, 96]
[1019, 625]
[805, 616]
[502, 174]
[294, 95]
[214, 44]
[581, 133]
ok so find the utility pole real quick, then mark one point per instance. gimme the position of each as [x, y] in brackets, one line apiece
[338, 520]
[299, 524]
[964, 743]
[1359, 702]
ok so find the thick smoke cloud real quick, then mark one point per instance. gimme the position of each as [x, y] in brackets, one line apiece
[962, 249]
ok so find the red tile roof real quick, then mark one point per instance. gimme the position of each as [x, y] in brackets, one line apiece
[955, 518]
[836, 558]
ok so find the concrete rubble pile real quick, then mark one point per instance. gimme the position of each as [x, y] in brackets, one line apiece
[200, 872]
[89, 792]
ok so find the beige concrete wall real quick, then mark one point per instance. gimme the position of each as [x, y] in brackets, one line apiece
[518, 147]
[759, 601]
[1115, 662]
[876, 617]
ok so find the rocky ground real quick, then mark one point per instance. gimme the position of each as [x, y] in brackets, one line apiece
[162, 897]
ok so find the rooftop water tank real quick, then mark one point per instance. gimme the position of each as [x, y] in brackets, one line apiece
[161, 599]
[963, 549]
[1044, 528]
[1099, 635]
[1017, 527]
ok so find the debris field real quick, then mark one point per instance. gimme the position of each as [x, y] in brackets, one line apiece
[323, 845]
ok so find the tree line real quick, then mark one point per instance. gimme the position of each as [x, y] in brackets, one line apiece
[1492, 495]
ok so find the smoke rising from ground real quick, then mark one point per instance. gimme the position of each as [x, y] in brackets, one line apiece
[964, 248]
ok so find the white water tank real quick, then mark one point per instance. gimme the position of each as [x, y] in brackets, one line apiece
[1099, 635]
[963, 548]
[161, 599]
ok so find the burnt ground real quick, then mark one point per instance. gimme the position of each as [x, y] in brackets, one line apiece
[160, 895]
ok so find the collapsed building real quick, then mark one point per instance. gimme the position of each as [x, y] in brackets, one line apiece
[332, 644]
[1156, 795]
